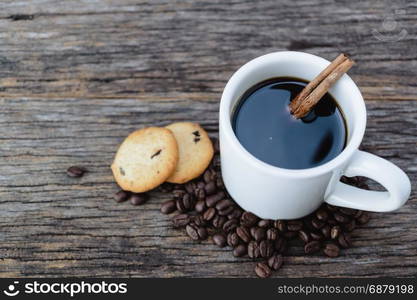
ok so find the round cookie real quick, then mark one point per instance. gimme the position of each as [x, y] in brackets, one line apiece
[145, 159]
[195, 151]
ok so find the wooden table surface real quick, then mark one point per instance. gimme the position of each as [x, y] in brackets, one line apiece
[77, 76]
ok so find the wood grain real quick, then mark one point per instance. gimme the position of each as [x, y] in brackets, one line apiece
[77, 76]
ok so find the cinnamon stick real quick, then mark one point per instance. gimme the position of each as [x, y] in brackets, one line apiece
[318, 87]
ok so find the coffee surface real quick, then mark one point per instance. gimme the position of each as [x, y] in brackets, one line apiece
[264, 126]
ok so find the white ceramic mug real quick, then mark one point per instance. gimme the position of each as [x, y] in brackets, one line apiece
[276, 193]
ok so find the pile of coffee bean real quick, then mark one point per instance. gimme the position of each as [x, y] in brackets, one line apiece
[205, 210]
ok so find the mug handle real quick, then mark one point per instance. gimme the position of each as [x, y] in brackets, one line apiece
[392, 178]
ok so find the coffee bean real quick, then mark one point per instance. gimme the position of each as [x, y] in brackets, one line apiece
[218, 221]
[264, 223]
[363, 185]
[334, 232]
[294, 225]
[316, 236]
[180, 205]
[344, 240]
[210, 188]
[192, 232]
[253, 250]
[262, 270]
[200, 206]
[233, 239]
[202, 233]
[280, 225]
[199, 221]
[180, 220]
[188, 201]
[348, 211]
[272, 234]
[331, 250]
[350, 180]
[219, 239]
[76, 171]
[289, 234]
[304, 236]
[317, 223]
[243, 233]
[138, 199]
[312, 247]
[358, 214]
[216, 162]
[190, 187]
[252, 231]
[168, 207]
[230, 225]
[275, 262]
[258, 233]
[177, 187]
[208, 176]
[331, 207]
[325, 230]
[350, 226]
[223, 204]
[200, 194]
[239, 250]
[248, 219]
[340, 218]
[211, 230]
[322, 215]
[307, 224]
[213, 199]
[280, 245]
[266, 248]
[178, 194]
[200, 185]
[219, 182]
[364, 218]
[121, 196]
[209, 214]
[236, 213]
[166, 187]
[226, 211]
[332, 222]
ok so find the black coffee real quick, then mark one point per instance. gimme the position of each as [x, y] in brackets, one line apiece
[264, 126]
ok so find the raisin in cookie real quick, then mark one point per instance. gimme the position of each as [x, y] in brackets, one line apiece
[145, 159]
[195, 151]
